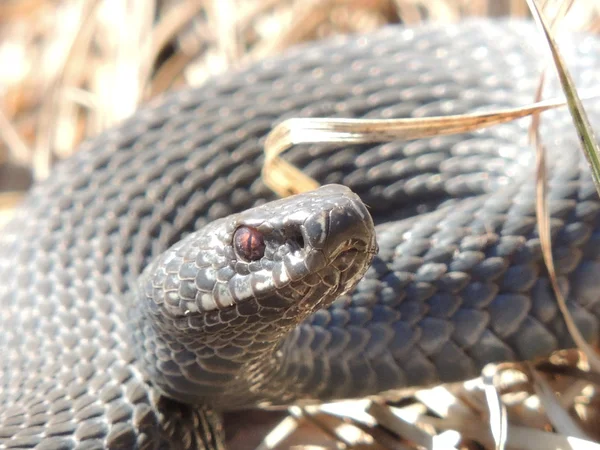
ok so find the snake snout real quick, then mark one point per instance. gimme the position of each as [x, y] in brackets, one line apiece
[350, 228]
[342, 225]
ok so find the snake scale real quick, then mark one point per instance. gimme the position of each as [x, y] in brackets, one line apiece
[110, 340]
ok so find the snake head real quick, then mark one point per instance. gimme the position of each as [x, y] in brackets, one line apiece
[229, 293]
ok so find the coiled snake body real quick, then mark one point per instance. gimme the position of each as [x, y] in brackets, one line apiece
[88, 345]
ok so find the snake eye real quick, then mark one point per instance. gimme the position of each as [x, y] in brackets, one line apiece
[249, 243]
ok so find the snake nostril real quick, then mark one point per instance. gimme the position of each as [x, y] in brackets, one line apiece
[300, 241]
[297, 239]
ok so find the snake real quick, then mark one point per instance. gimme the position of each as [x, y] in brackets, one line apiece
[153, 282]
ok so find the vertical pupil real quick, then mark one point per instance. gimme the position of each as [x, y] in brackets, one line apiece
[249, 243]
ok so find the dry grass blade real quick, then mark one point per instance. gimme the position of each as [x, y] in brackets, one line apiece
[17, 147]
[588, 141]
[307, 17]
[557, 414]
[529, 438]
[71, 51]
[285, 179]
[569, 371]
[12, 10]
[171, 23]
[279, 433]
[455, 414]
[474, 430]
[498, 416]
[580, 119]
[387, 419]
[325, 423]
[556, 411]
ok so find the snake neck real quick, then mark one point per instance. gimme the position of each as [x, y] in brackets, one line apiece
[244, 364]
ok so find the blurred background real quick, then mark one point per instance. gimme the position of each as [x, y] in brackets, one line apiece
[72, 68]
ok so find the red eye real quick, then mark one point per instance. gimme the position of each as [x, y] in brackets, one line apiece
[249, 243]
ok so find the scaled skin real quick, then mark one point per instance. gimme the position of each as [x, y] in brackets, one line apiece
[446, 293]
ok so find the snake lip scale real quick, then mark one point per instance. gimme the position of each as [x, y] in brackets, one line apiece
[153, 281]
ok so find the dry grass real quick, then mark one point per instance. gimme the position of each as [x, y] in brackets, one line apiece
[73, 68]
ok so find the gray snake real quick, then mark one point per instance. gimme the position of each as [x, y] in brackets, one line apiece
[109, 341]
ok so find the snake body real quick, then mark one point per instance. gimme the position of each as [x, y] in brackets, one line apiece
[458, 281]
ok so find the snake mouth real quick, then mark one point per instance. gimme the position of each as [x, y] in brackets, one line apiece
[352, 262]
[352, 246]
[347, 265]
